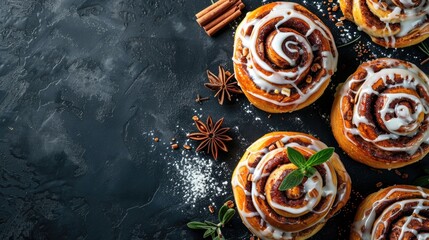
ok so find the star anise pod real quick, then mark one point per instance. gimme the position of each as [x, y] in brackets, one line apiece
[212, 136]
[223, 84]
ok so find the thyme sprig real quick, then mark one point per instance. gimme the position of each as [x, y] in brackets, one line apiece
[349, 43]
[424, 48]
[212, 229]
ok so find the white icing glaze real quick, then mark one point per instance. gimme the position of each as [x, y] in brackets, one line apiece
[275, 79]
[410, 17]
[366, 226]
[404, 120]
[313, 183]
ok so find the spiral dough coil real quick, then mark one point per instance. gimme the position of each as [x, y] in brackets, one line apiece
[284, 57]
[380, 114]
[390, 23]
[397, 212]
[299, 212]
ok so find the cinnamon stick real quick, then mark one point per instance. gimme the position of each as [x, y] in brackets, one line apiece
[222, 24]
[224, 16]
[209, 8]
[218, 15]
[218, 10]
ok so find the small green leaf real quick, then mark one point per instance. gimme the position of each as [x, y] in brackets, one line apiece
[421, 181]
[222, 212]
[209, 232]
[296, 157]
[228, 216]
[197, 225]
[208, 223]
[320, 157]
[291, 180]
[310, 171]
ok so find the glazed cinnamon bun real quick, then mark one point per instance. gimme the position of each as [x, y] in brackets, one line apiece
[284, 57]
[380, 114]
[390, 23]
[397, 212]
[297, 213]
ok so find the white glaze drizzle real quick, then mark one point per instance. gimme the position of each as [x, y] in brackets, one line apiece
[329, 189]
[409, 18]
[270, 82]
[366, 225]
[412, 78]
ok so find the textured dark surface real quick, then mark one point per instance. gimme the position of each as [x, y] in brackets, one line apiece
[85, 86]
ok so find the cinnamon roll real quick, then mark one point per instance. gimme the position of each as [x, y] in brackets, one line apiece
[297, 213]
[380, 114]
[397, 212]
[284, 57]
[390, 23]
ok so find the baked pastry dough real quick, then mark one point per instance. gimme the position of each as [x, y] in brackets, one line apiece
[380, 114]
[284, 57]
[297, 213]
[390, 23]
[397, 212]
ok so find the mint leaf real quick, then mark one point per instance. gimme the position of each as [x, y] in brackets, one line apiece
[291, 180]
[296, 157]
[310, 171]
[222, 212]
[228, 216]
[209, 232]
[320, 157]
[197, 225]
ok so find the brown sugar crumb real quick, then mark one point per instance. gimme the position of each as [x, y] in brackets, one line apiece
[397, 172]
[339, 24]
[379, 184]
[187, 147]
[175, 146]
[156, 139]
[229, 204]
[195, 118]
[211, 209]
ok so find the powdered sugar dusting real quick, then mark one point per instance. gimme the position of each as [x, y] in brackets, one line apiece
[198, 179]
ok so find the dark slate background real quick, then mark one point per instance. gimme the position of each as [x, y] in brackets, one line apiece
[85, 86]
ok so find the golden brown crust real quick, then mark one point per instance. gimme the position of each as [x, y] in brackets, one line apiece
[389, 23]
[295, 213]
[365, 106]
[270, 81]
[390, 212]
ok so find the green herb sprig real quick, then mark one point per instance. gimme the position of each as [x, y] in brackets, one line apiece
[305, 167]
[424, 48]
[212, 229]
[422, 180]
[349, 43]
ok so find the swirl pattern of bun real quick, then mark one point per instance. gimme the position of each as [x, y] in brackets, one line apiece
[397, 212]
[390, 23]
[284, 57]
[380, 114]
[299, 212]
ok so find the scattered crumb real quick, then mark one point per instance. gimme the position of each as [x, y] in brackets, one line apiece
[379, 184]
[187, 147]
[156, 139]
[175, 146]
[211, 209]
